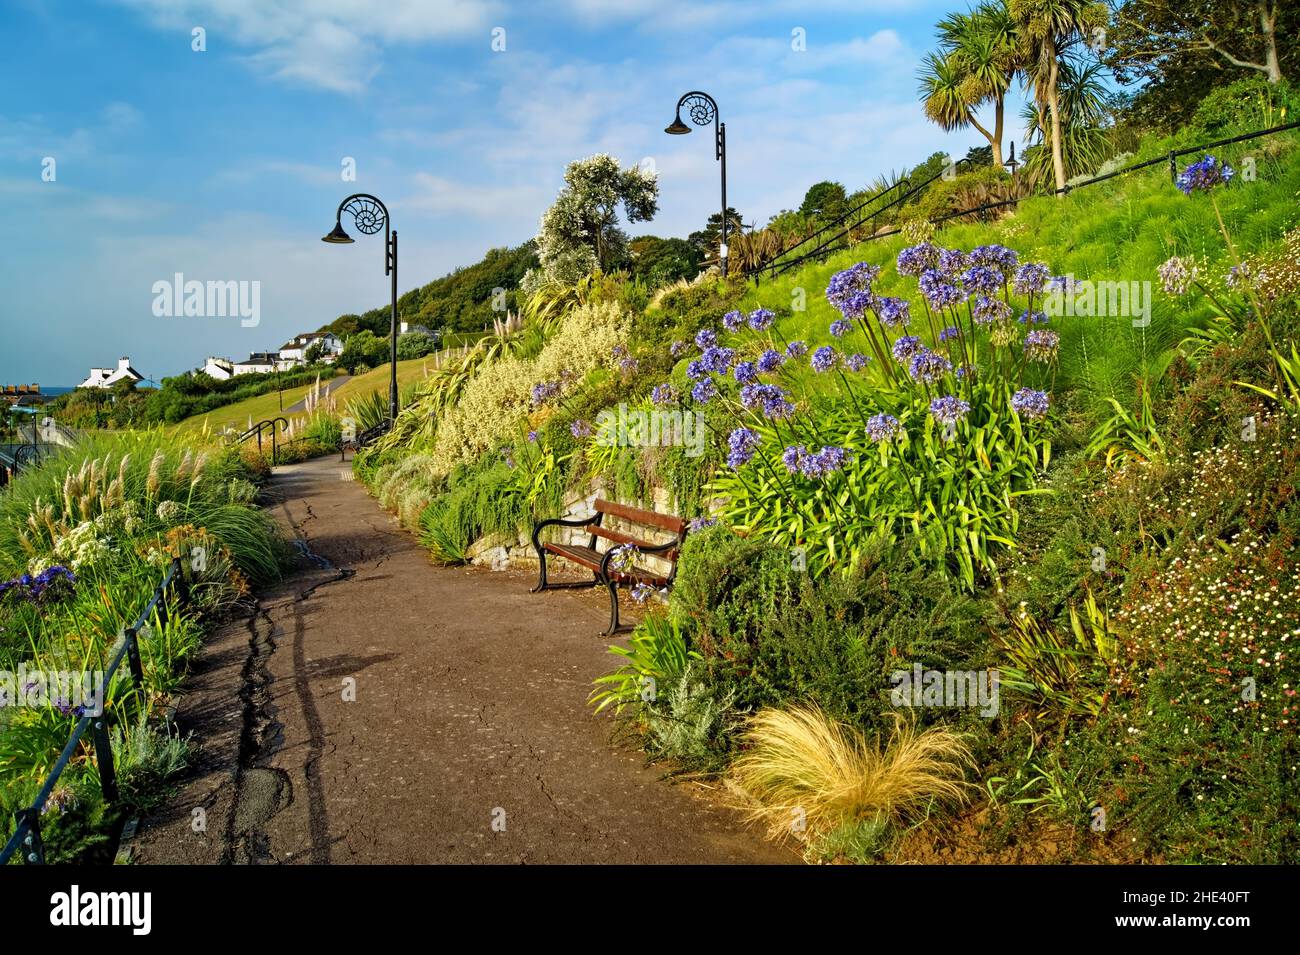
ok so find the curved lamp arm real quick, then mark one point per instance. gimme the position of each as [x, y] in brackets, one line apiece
[369, 215]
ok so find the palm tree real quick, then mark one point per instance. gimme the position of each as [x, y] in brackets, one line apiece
[977, 60]
[1084, 110]
[1048, 29]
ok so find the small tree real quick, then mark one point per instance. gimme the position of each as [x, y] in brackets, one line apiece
[579, 233]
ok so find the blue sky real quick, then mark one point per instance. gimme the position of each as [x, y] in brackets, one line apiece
[225, 165]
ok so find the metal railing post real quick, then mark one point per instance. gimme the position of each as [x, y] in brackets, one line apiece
[32, 849]
[133, 658]
[104, 757]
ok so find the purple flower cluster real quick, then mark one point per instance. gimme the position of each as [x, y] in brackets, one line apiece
[841, 327]
[981, 279]
[939, 289]
[745, 372]
[771, 400]
[894, 312]
[949, 409]
[796, 349]
[733, 320]
[704, 391]
[760, 319]
[678, 348]
[1032, 318]
[949, 333]
[815, 464]
[580, 429]
[718, 359]
[663, 394]
[988, 310]
[1030, 278]
[883, 427]
[856, 362]
[1029, 403]
[770, 361]
[742, 444]
[917, 259]
[928, 367]
[701, 523]
[35, 587]
[995, 256]
[850, 290]
[628, 366]
[705, 338]
[544, 391]
[906, 347]
[1204, 175]
[1041, 345]
[824, 359]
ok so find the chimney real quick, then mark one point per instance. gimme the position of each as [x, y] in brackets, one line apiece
[123, 363]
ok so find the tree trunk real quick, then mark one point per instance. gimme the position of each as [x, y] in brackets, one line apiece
[1054, 108]
[1268, 24]
[997, 129]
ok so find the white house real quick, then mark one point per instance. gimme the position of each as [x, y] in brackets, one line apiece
[258, 361]
[107, 377]
[218, 369]
[295, 350]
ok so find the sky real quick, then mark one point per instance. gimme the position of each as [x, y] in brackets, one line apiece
[127, 156]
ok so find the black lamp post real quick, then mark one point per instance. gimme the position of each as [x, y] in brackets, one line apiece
[702, 110]
[370, 215]
[1011, 163]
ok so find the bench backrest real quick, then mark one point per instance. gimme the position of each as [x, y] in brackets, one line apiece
[638, 515]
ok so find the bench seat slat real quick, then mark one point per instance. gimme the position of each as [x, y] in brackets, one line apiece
[618, 537]
[639, 515]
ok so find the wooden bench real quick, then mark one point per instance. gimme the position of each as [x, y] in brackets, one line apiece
[599, 563]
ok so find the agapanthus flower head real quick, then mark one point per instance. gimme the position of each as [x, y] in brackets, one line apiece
[995, 256]
[949, 409]
[700, 523]
[1041, 345]
[770, 361]
[678, 348]
[1029, 403]
[987, 310]
[1177, 274]
[894, 312]
[697, 368]
[906, 347]
[718, 359]
[967, 371]
[792, 456]
[856, 362]
[1032, 318]
[952, 262]
[945, 334]
[796, 348]
[928, 367]
[642, 592]
[818, 464]
[623, 557]
[745, 372]
[544, 391]
[733, 320]
[850, 290]
[939, 289]
[917, 258]
[704, 391]
[1239, 277]
[532, 437]
[1062, 284]
[1204, 175]
[742, 444]
[1030, 278]
[760, 319]
[663, 394]
[771, 400]
[883, 427]
[841, 327]
[824, 359]
[981, 280]
[628, 366]
[618, 351]
[580, 429]
[706, 338]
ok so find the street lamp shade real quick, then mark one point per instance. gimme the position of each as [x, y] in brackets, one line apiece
[338, 236]
[678, 128]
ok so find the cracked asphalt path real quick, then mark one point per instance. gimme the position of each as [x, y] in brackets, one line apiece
[469, 709]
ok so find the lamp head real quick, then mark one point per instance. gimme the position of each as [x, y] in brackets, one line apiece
[678, 128]
[338, 236]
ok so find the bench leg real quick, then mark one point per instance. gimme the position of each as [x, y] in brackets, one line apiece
[614, 625]
[541, 577]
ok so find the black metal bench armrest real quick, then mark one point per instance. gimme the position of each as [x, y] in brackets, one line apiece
[562, 522]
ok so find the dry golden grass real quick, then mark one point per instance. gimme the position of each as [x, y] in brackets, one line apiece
[800, 765]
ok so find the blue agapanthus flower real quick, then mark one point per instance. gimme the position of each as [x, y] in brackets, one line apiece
[745, 372]
[1030, 278]
[917, 258]
[952, 262]
[995, 257]
[796, 349]
[850, 290]
[532, 437]
[824, 359]
[1032, 318]
[987, 310]
[718, 359]
[856, 362]
[704, 391]
[544, 391]
[928, 367]
[678, 348]
[938, 289]
[706, 338]
[949, 333]
[791, 457]
[771, 400]
[1204, 175]
[742, 444]
[580, 429]
[770, 361]
[906, 347]
[1029, 403]
[894, 312]
[883, 427]
[733, 320]
[1041, 345]
[841, 327]
[760, 319]
[697, 368]
[700, 523]
[818, 464]
[981, 280]
[949, 409]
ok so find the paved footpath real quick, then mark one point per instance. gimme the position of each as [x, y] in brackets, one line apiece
[470, 707]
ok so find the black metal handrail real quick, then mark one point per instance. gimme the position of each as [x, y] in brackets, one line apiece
[777, 268]
[27, 833]
[256, 431]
